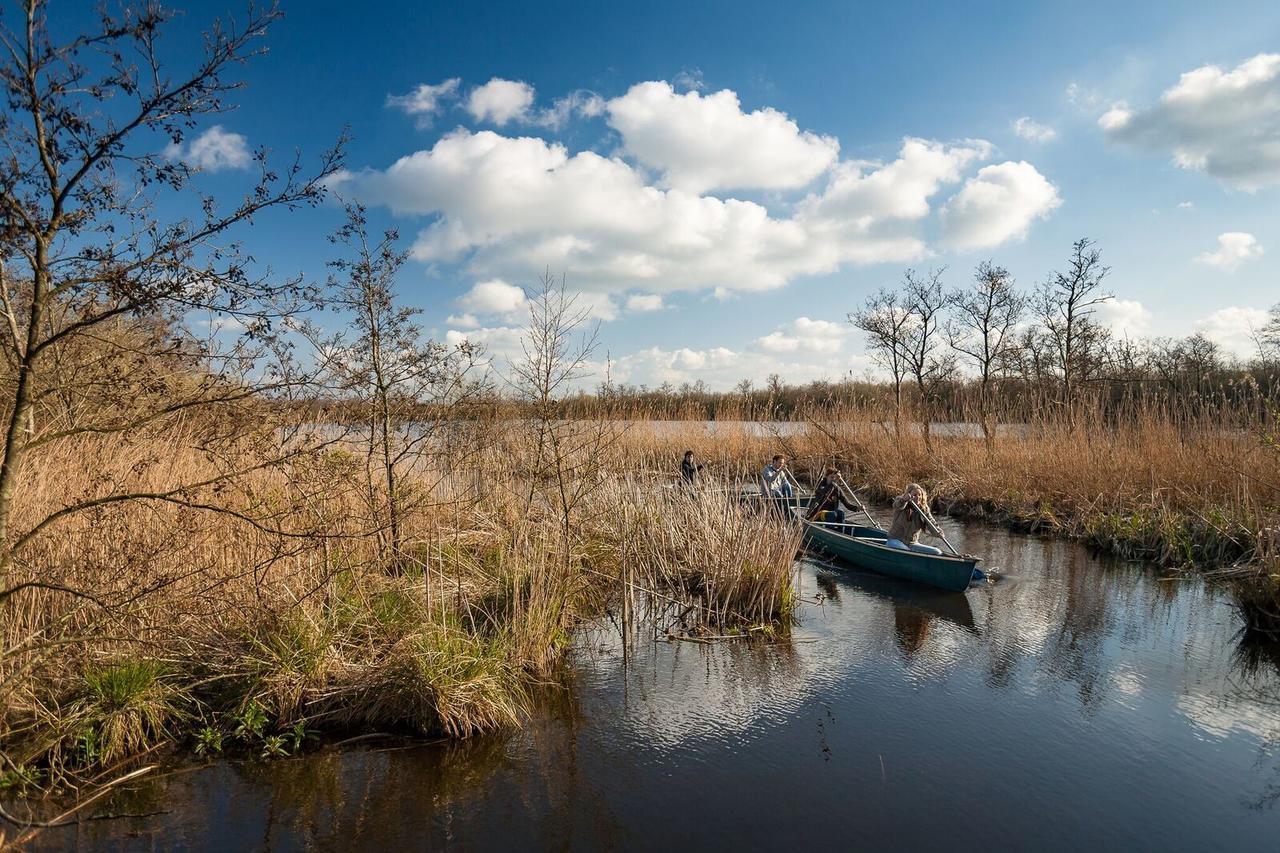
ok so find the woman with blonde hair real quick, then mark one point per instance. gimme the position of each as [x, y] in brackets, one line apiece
[910, 517]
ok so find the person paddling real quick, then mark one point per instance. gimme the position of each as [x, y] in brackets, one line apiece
[773, 479]
[910, 518]
[828, 499]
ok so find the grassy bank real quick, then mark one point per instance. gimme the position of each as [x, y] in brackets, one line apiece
[263, 611]
[1176, 491]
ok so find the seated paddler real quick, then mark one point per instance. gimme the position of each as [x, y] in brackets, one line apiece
[827, 501]
[911, 517]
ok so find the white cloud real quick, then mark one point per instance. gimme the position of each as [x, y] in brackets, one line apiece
[598, 306]
[1082, 98]
[580, 103]
[1233, 329]
[1186, 205]
[1034, 131]
[689, 79]
[804, 334]
[706, 142]
[1234, 248]
[495, 298]
[721, 368]
[859, 215]
[1127, 318]
[463, 321]
[505, 206]
[1223, 123]
[425, 100]
[996, 205]
[214, 150]
[644, 302]
[500, 101]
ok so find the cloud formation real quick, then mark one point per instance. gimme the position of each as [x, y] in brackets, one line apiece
[507, 205]
[1033, 131]
[500, 101]
[805, 335]
[1233, 329]
[215, 150]
[998, 204]
[701, 143]
[495, 298]
[1126, 318]
[426, 100]
[1223, 123]
[1234, 248]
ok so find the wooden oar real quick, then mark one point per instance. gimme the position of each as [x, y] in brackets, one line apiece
[933, 528]
[853, 494]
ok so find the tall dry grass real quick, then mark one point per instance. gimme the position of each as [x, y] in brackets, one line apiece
[258, 611]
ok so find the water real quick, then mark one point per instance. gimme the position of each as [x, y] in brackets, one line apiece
[1070, 705]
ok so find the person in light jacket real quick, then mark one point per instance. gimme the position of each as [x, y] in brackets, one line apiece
[904, 531]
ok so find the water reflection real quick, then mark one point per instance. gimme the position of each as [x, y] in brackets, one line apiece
[1070, 704]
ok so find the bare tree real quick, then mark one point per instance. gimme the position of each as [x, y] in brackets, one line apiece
[886, 321]
[928, 361]
[403, 385]
[91, 263]
[1065, 303]
[984, 328]
[557, 347]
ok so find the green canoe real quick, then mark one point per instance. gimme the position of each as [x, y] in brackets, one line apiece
[864, 547]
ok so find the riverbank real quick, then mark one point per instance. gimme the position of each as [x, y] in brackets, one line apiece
[1075, 679]
[264, 609]
[1174, 491]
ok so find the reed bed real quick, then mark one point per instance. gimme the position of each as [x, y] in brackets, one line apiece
[262, 612]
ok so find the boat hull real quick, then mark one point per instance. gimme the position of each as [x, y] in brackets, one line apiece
[864, 547]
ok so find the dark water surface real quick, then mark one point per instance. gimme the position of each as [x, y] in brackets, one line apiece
[1070, 705]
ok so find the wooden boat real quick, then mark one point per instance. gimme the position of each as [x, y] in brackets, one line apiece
[864, 547]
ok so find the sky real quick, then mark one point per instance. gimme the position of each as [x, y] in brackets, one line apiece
[723, 182]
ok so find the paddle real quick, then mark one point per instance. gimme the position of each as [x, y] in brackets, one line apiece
[853, 494]
[933, 528]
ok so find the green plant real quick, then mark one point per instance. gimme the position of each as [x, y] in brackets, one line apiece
[208, 741]
[251, 722]
[299, 734]
[20, 777]
[273, 746]
[126, 707]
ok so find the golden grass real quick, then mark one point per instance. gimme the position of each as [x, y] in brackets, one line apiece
[198, 626]
[242, 629]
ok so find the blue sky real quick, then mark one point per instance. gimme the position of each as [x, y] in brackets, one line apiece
[748, 228]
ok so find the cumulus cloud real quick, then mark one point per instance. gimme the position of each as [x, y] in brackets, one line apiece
[804, 334]
[1186, 205]
[580, 103]
[721, 367]
[1233, 329]
[1127, 318]
[1033, 131]
[495, 298]
[702, 142]
[1000, 203]
[426, 100]
[1223, 123]
[641, 303]
[215, 150]
[1234, 248]
[506, 205]
[500, 101]
[463, 321]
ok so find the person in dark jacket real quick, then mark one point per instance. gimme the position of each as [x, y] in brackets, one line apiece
[689, 471]
[828, 500]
